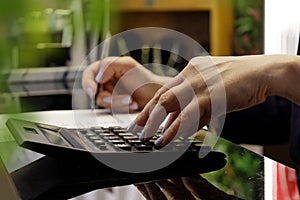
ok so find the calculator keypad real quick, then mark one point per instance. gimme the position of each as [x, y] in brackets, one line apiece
[118, 139]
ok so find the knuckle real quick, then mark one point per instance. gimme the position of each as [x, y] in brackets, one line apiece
[169, 101]
[164, 99]
[127, 58]
[184, 117]
[158, 95]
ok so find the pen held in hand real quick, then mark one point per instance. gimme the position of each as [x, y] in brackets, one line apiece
[92, 98]
[92, 104]
[104, 54]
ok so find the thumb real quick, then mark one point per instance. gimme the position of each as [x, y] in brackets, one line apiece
[107, 70]
[88, 80]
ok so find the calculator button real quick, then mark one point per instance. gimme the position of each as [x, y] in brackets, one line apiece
[108, 135]
[125, 134]
[112, 137]
[125, 147]
[94, 137]
[136, 141]
[103, 148]
[90, 134]
[144, 147]
[99, 142]
[119, 131]
[99, 131]
[117, 141]
[130, 137]
[113, 128]
[83, 131]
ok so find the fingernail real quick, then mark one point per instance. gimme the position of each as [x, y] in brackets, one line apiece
[126, 100]
[137, 129]
[90, 92]
[159, 141]
[142, 136]
[99, 76]
[133, 106]
[131, 126]
[106, 99]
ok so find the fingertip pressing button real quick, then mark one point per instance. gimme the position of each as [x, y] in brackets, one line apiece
[159, 141]
[131, 126]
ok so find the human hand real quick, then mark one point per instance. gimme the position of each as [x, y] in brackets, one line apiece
[189, 188]
[124, 85]
[205, 90]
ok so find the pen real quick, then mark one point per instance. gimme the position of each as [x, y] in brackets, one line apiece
[105, 48]
[104, 54]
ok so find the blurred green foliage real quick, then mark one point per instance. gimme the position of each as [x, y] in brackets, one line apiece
[29, 22]
[248, 31]
[242, 176]
[14, 15]
[9, 12]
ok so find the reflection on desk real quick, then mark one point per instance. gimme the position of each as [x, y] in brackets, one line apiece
[247, 175]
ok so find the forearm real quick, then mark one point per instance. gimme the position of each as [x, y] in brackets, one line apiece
[286, 77]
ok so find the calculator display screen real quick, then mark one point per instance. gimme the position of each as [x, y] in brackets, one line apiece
[54, 137]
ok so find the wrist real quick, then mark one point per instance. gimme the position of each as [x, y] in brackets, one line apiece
[162, 80]
[285, 77]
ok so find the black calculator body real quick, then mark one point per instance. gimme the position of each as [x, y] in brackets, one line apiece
[84, 147]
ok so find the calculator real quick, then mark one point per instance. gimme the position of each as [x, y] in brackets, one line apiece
[94, 146]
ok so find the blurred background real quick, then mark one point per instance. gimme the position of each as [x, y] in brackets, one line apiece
[44, 43]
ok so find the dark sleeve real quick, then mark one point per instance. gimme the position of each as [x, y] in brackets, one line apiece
[264, 124]
[295, 134]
